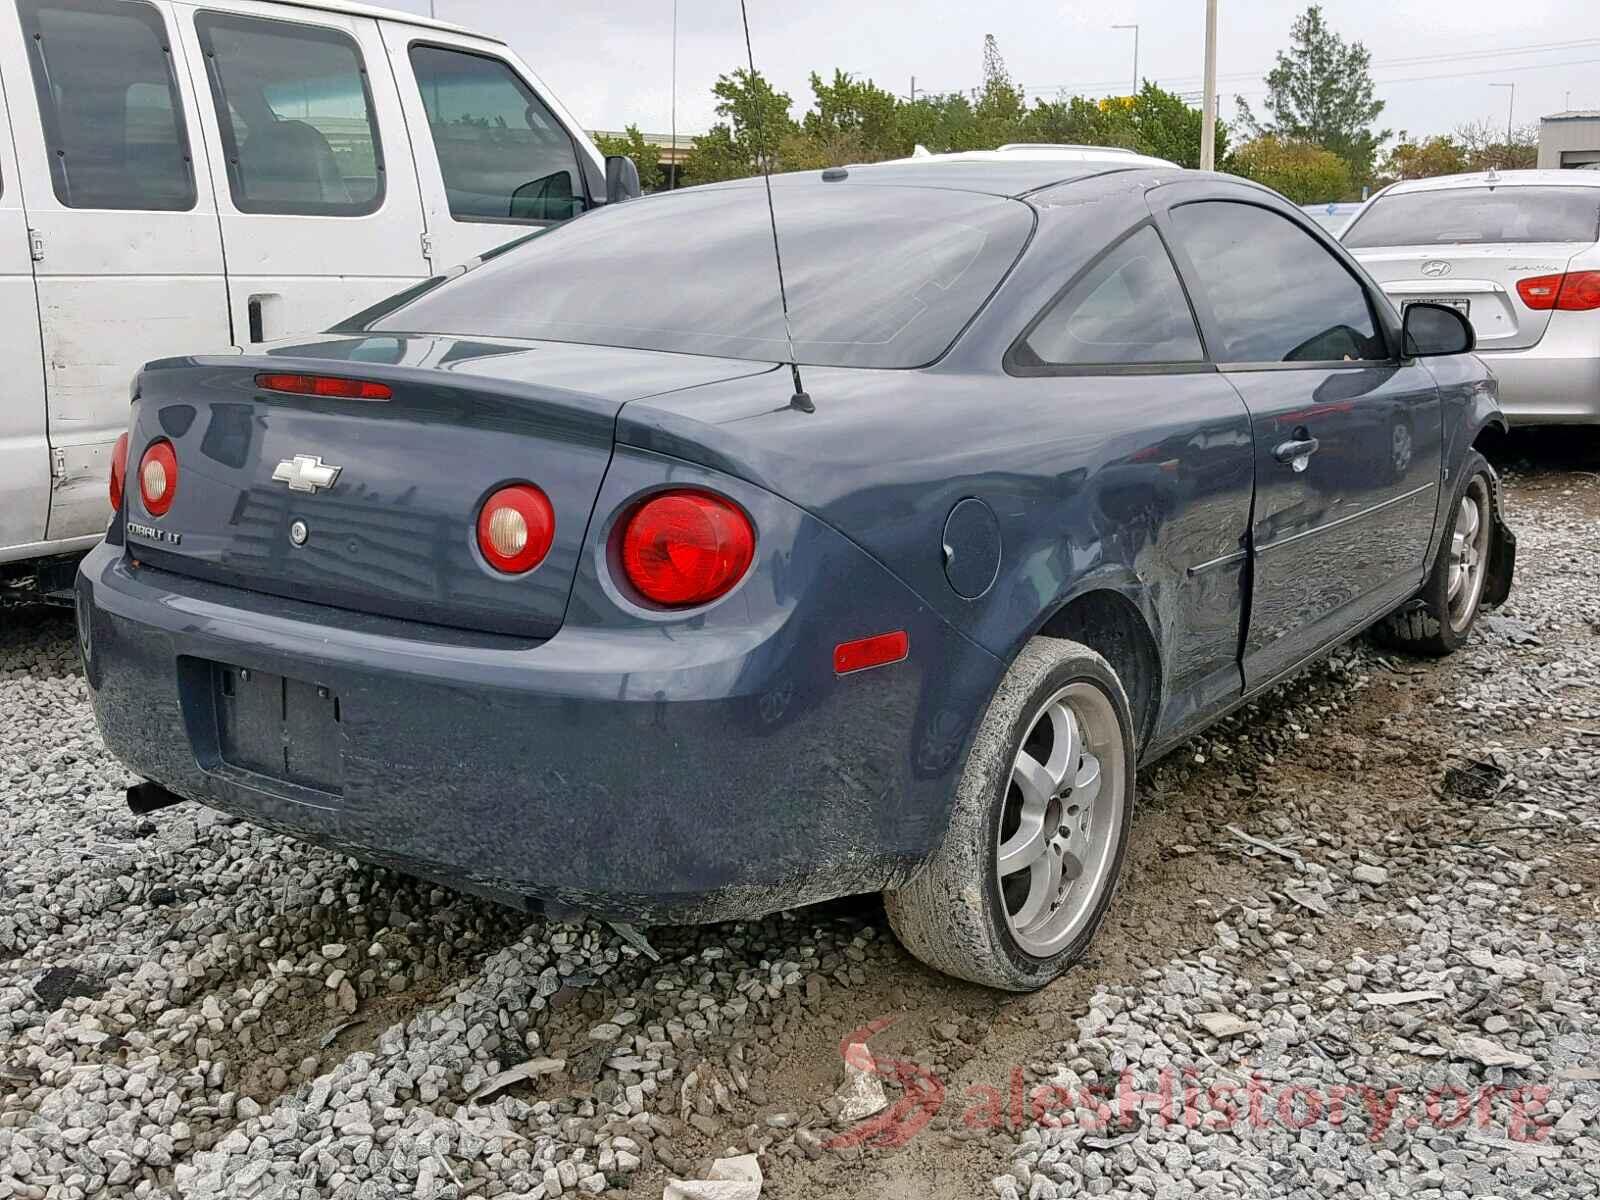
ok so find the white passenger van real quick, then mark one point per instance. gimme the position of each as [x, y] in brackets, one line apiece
[182, 177]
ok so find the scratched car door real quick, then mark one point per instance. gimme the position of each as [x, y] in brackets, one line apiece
[1347, 434]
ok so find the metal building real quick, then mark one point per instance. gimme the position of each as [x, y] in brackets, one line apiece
[1570, 139]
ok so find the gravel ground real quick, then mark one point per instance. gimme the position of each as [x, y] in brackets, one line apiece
[1357, 952]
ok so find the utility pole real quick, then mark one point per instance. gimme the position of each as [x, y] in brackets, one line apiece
[672, 169]
[1208, 113]
[1511, 116]
[1135, 29]
[913, 89]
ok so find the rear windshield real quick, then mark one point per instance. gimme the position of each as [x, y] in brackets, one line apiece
[1477, 216]
[877, 276]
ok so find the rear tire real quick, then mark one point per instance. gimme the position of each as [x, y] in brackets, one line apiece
[1047, 791]
[1440, 619]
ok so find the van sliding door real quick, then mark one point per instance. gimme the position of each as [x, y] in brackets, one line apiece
[128, 258]
[24, 450]
[318, 195]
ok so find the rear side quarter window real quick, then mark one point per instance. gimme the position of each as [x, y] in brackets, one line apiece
[109, 104]
[1127, 310]
[503, 155]
[296, 116]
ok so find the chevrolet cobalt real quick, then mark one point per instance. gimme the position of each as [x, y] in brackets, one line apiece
[591, 579]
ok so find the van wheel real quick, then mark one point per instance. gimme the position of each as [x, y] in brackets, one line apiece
[1438, 621]
[1039, 830]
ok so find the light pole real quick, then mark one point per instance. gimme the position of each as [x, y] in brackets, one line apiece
[1135, 29]
[1208, 114]
[1511, 115]
[672, 170]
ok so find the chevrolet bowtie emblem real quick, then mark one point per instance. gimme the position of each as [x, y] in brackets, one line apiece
[306, 473]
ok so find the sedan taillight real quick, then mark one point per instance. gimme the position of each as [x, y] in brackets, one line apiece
[516, 527]
[119, 472]
[684, 548]
[1578, 291]
[158, 477]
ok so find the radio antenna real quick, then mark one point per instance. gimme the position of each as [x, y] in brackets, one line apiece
[800, 400]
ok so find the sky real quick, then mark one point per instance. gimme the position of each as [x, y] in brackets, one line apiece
[1435, 61]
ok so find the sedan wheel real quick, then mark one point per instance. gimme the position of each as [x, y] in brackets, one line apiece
[1441, 616]
[1061, 819]
[1039, 830]
[1469, 554]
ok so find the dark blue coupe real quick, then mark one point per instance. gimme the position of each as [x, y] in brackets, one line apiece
[545, 579]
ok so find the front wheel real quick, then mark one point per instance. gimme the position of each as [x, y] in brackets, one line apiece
[1438, 621]
[1039, 831]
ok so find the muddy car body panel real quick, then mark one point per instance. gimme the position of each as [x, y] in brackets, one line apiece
[556, 739]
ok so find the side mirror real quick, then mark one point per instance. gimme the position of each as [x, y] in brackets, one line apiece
[1434, 330]
[622, 179]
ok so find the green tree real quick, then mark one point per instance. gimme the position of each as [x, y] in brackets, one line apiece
[854, 120]
[1168, 128]
[755, 125]
[1321, 92]
[997, 117]
[645, 156]
[1079, 121]
[1304, 173]
[1156, 122]
[1422, 160]
[941, 123]
[1484, 146]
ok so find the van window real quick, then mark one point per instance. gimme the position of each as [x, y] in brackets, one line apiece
[503, 155]
[102, 71]
[296, 117]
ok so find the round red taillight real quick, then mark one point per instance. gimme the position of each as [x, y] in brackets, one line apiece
[516, 527]
[685, 548]
[158, 477]
[119, 472]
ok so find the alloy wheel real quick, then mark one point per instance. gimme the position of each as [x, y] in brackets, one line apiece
[1469, 554]
[1061, 819]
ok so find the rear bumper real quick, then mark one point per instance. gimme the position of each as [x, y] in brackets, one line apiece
[1545, 385]
[670, 773]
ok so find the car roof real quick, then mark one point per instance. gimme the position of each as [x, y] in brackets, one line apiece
[349, 8]
[1478, 179]
[1047, 152]
[992, 172]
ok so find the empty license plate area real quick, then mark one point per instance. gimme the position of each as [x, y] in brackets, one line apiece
[284, 729]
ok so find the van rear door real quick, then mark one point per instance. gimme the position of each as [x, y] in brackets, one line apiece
[24, 450]
[313, 174]
[497, 155]
[128, 257]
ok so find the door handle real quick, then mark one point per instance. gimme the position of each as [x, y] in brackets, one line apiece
[1295, 453]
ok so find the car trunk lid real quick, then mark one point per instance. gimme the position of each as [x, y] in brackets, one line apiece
[391, 531]
[1481, 279]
